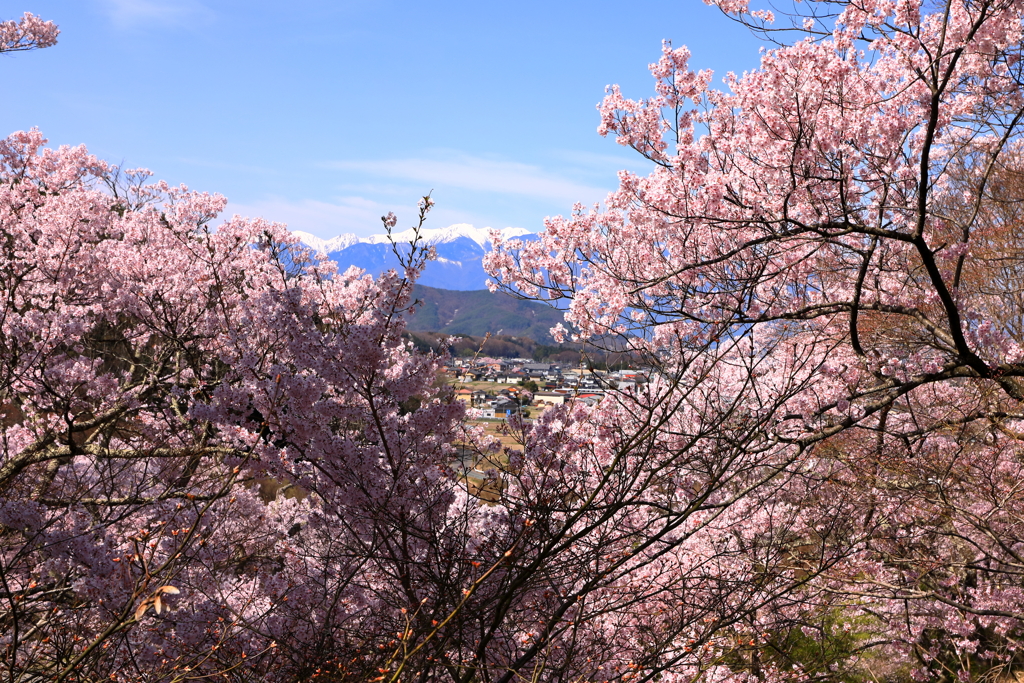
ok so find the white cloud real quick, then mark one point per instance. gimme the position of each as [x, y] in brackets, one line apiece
[131, 13]
[479, 174]
[326, 219]
[480, 191]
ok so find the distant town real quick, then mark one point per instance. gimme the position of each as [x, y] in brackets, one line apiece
[500, 387]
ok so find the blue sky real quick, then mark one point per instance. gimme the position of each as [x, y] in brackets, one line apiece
[327, 114]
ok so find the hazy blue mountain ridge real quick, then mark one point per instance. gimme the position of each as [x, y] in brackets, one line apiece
[460, 251]
[451, 290]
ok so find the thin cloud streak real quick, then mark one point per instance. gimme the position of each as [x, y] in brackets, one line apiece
[484, 175]
[468, 189]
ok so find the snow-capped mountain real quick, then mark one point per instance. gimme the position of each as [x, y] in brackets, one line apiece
[327, 246]
[481, 236]
[460, 250]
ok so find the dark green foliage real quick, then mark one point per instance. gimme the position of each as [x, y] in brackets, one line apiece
[830, 647]
[529, 385]
[480, 312]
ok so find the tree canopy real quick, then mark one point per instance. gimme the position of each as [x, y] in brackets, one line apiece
[222, 460]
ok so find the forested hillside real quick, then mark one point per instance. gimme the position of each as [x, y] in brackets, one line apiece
[482, 312]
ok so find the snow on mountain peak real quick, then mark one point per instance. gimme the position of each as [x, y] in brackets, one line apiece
[326, 246]
[341, 242]
[481, 236]
[432, 236]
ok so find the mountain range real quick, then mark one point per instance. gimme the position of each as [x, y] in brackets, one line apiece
[460, 251]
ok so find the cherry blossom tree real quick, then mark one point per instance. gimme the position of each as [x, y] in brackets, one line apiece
[830, 249]
[210, 420]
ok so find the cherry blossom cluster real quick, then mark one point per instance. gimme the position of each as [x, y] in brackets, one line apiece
[28, 33]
